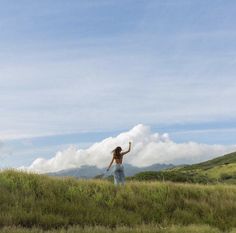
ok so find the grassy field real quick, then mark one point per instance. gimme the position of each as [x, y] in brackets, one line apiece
[218, 170]
[139, 229]
[30, 200]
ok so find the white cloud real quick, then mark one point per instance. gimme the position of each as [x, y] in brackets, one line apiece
[148, 148]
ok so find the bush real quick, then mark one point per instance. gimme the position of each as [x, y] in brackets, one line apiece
[174, 176]
[225, 176]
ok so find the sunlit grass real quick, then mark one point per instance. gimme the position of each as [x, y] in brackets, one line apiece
[216, 172]
[31, 200]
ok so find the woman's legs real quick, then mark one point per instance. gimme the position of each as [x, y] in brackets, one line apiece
[122, 176]
[116, 177]
[119, 175]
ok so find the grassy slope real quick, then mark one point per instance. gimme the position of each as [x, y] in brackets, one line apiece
[31, 200]
[222, 160]
[224, 166]
[221, 169]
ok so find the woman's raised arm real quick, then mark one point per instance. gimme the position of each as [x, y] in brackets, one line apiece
[125, 152]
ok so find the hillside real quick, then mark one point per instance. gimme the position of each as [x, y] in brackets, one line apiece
[219, 161]
[93, 171]
[30, 200]
[220, 169]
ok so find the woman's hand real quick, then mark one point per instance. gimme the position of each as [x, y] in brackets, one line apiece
[129, 146]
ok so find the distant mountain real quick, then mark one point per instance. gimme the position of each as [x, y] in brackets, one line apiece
[81, 172]
[221, 169]
[93, 171]
[132, 170]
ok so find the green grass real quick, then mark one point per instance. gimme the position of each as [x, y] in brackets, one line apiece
[222, 160]
[221, 169]
[139, 229]
[174, 176]
[217, 171]
[30, 200]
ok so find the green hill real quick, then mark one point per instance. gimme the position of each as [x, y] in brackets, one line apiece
[221, 169]
[219, 161]
[31, 202]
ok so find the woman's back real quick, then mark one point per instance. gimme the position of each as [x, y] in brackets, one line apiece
[118, 157]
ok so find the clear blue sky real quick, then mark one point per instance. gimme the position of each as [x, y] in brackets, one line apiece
[68, 67]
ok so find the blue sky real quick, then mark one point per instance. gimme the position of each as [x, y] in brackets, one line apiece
[80, 71]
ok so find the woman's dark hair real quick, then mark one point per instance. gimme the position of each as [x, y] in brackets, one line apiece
[116, 151]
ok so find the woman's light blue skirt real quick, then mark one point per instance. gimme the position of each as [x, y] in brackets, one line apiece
[119, 174]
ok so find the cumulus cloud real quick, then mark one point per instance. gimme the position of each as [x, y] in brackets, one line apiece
[147, 148]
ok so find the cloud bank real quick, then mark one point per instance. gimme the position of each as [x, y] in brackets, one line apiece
[147, 148]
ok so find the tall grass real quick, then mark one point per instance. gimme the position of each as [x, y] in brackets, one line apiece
[140, 229]
[31, 200]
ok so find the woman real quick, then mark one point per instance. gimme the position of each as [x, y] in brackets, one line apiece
[119, 175]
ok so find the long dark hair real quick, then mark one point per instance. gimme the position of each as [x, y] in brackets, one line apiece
[116, 151]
